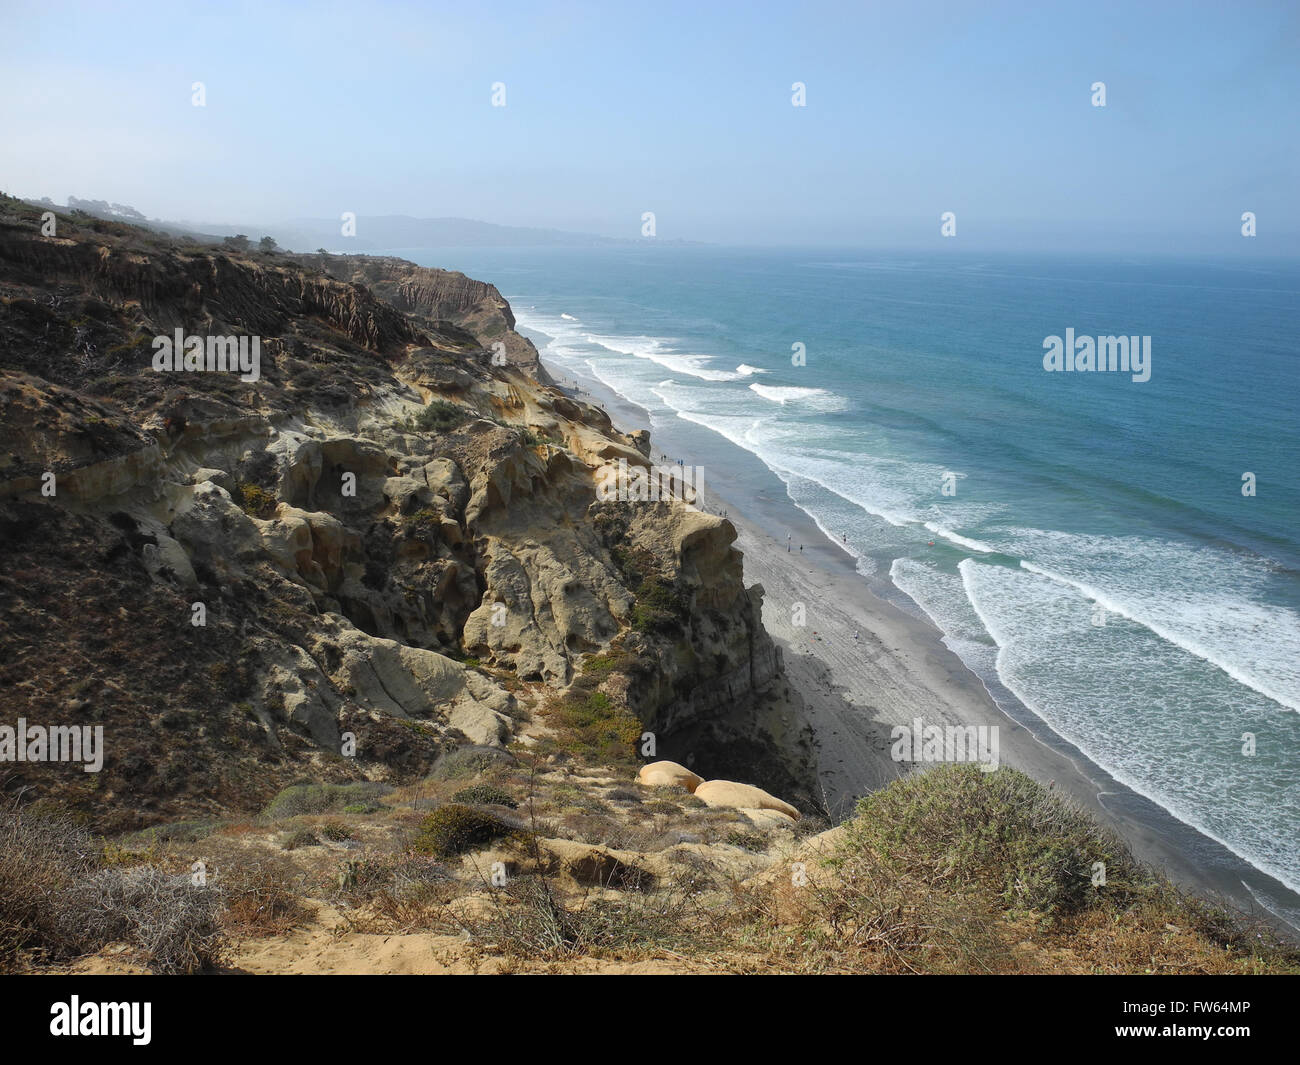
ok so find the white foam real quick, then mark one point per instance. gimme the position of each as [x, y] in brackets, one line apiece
[657, 349]
[1139, 707]
[958, 539]
[941, 595]
[1209, 602]
[816, 398]
[1143, 615]
[745, 370]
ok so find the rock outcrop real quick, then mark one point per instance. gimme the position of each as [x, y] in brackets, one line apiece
[386, 545]
[734, 796]
[668, 774]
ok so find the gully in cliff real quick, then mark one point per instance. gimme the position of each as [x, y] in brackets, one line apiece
[242, 355]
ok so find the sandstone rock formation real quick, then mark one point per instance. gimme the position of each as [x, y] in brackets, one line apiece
[387, 545]
[734, 796]
[668, 774]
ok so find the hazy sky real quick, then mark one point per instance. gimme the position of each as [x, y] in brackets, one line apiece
[612, 109]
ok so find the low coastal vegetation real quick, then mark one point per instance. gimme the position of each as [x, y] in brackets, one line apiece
[438, 416]
[507, 862]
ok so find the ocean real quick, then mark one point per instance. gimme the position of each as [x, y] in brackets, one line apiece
[1081, 538]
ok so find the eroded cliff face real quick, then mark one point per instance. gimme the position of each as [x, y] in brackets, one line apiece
[389, 541]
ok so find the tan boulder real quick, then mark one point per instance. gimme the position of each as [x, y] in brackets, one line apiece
[733, 796]
[768, 818]
[667, 774]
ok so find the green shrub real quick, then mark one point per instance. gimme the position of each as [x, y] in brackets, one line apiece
[256, 500]
[456, 829]
[424, 524]
[303, 837]
[336, 831]
[438, 416]
[999, 831]
[176, 832]
[593, 727]
[300, 799]
[658, 607]
[601, 666]
[485, 794]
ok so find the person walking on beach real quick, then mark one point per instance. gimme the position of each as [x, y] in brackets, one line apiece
[787, 543]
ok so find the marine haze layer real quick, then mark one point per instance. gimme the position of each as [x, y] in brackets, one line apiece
[1098, 557]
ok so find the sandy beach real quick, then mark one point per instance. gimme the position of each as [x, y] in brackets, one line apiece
[897, 668]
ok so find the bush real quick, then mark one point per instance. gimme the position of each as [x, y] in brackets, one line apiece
[425, 524]
[300, 799]
[174, 922]
[455, 829]
[469, 762]
[261, 897]
[486, 794]
[438, 416]
[336, 831]
[176, 832]
[659, 607]
[600, 667]
[397, 875]
[256, 500]
[593, 727]
[56, 901]
[527, 919]
[624, 795]
[43, 854]
[304, 837]
[999, 830]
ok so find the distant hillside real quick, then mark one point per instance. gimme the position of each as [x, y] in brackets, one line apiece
[399, 231]
[372, 231]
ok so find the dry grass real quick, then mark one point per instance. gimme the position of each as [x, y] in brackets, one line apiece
[43, 855]
[62, 894]
[532, 918]
[169, 918]
[951, 871]
[262, 895]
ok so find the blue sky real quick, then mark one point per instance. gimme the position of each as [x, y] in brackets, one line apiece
[612, 109]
